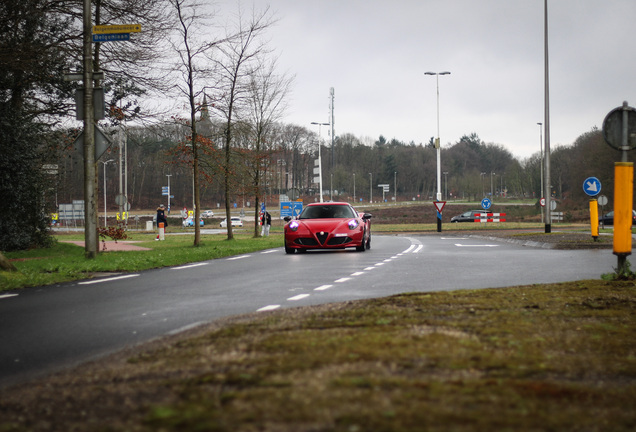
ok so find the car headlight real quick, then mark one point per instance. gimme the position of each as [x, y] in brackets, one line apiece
[353, 224]
[293, 225]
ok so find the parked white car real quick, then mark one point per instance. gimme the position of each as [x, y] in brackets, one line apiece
[207, 214]
[235, 220]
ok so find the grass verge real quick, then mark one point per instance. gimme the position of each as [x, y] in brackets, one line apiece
[531, 358]
[65, 262]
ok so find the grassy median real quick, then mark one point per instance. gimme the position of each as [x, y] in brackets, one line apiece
[532, 358]
[65, 261]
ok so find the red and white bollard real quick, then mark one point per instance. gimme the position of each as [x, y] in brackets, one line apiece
[162, 231]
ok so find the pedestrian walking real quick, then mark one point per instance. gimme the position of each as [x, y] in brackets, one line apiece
[266, 222]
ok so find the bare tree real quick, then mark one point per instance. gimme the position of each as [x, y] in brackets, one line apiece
[194, 71]
[238, 61]
[267, 95]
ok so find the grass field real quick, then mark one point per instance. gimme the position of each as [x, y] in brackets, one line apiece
[532, 358]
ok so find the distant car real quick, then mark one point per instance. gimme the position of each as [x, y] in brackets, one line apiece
[235, 220]
[468, 216]
[189, 222]
[207, 214]
[334, 225]
[608, 218]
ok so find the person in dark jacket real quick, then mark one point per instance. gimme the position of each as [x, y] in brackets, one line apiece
[266, 221]
[161, 217]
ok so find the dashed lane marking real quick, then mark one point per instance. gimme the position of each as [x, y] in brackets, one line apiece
[107, 279]
[189, 266]
[268, 308]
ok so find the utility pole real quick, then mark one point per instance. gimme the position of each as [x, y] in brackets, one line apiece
[90, 166]
[333, 121]
[548, 189]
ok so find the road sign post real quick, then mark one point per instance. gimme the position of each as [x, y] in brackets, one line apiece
[439, 206]
[619, 131]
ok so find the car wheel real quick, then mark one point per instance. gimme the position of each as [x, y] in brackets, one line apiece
[363, 245]
[289, 250]
[369, 243]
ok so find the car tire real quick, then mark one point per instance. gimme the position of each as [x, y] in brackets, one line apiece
[363, 245]
[369, 243]
[289, 250]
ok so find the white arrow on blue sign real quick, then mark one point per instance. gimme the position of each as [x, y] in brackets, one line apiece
[592, 186]
[486, 203]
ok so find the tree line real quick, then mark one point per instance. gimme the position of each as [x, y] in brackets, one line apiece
[224, 140]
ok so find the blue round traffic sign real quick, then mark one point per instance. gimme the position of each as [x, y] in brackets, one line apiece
[592, 186]
[486, 203]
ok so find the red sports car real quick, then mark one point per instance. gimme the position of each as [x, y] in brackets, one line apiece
[333, 225]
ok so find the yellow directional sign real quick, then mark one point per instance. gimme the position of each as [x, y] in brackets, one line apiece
[117, 28]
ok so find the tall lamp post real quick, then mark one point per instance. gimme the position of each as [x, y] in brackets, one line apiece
[169, 191]
[541, 162]
[319, 155]
[437, 146]
[548, 189]
[105, 215]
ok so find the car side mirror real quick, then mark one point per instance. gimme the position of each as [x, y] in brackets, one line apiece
[287, 218]
[367, 216]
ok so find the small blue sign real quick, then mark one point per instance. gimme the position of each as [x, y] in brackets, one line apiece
[111, 37]
[486, 203]
[290, 208]
[592, 186]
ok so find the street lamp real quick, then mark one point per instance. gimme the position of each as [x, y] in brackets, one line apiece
[354, 187]
[437, 141]
[169, 191]
[105, 216]
[445, 185]
[541, 161]
[319, 156]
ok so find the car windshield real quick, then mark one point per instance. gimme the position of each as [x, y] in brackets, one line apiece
[327, 212]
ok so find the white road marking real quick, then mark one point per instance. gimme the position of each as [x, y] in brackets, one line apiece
[188, 266]
[419, 248]
[323, 287]
[388, 260]
[409, 249]
[379, 264]
[238, 257]
[368, 268]
[482, 245]
[269, 251]
[7, 296]
[344, 279]
[298, 297]
[107, 279]
[357, 273]
[268, 308]
[454, 238]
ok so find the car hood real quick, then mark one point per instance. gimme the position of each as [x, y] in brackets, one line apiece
[327, 225]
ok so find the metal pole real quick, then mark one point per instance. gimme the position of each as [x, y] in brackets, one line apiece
[395, 185]
[370, 188]
[169, 191]
[354, 187]
[319, 155]
[548, 189]
[541, 162]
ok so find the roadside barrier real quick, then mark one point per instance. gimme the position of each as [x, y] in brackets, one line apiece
[490, 217]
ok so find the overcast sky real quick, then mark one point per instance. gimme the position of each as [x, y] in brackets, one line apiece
[375, 52]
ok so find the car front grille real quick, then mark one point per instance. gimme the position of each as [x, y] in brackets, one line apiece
[322, 236]
[306, 242]
[336, 241]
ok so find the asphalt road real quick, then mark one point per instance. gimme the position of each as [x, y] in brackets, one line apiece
[45, 329]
